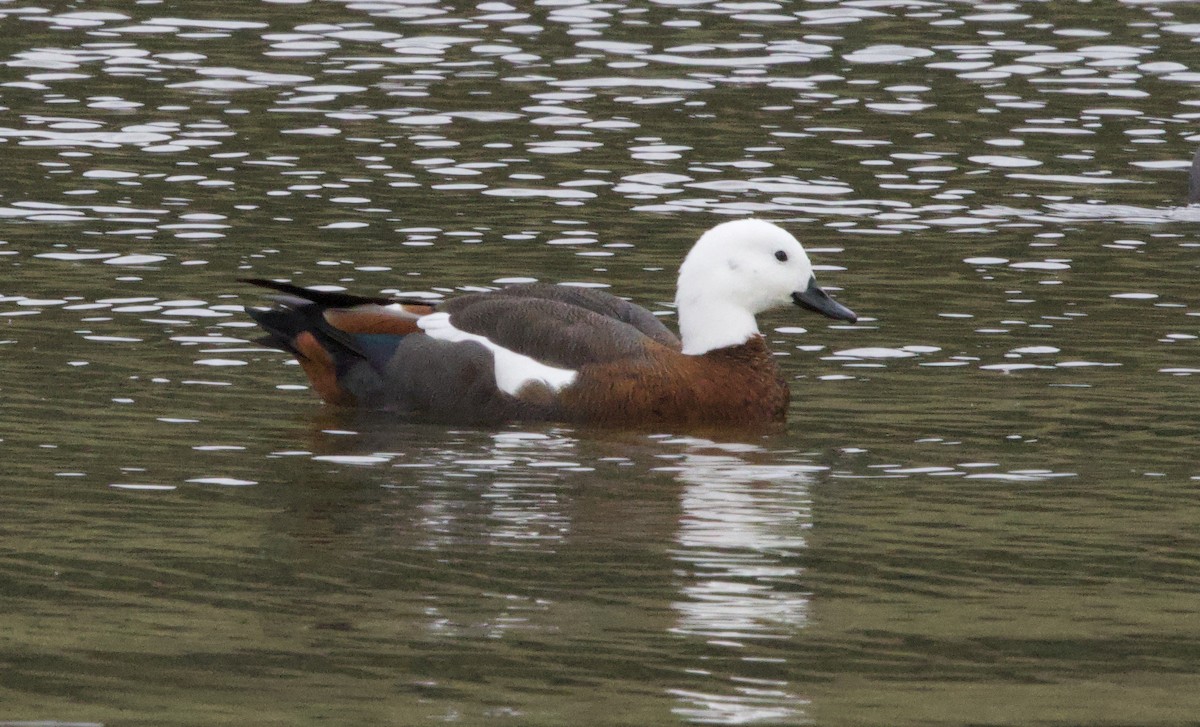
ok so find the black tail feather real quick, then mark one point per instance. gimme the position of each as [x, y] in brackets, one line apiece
[284, 323]
[333, 299]
[298, 311]
[329, 299]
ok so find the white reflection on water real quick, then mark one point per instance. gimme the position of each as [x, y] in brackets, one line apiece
[740, 524]
[517, 484]
[740, 529]
[1069, 211]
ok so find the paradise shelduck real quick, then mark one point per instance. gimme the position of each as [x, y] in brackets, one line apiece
[561, 353]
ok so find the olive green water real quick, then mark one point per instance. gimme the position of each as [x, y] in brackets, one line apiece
[984, 510]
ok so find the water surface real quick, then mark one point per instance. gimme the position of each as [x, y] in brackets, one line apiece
[982, 512]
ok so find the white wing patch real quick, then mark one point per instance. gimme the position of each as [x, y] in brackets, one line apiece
[513, 370]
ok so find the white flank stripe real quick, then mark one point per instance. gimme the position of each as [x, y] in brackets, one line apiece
[513, 370]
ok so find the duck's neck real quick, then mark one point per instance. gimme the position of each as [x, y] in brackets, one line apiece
[706, 326]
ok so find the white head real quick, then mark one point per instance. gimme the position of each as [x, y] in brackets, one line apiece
[737, 270]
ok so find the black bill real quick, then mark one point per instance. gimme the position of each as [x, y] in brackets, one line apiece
[815, 299]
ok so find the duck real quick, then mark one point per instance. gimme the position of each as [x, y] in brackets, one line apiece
[559, 353]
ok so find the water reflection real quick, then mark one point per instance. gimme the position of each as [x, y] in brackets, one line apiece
[734, 533]
[738, 520]
[740, 535]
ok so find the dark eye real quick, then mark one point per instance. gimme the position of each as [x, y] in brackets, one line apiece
[781, 256]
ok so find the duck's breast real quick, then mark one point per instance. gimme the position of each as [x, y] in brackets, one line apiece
[735, 385]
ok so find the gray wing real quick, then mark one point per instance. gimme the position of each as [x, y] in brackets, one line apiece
[565, 329]
[598, 301]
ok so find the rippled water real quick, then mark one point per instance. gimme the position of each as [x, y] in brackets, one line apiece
[983, 512]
